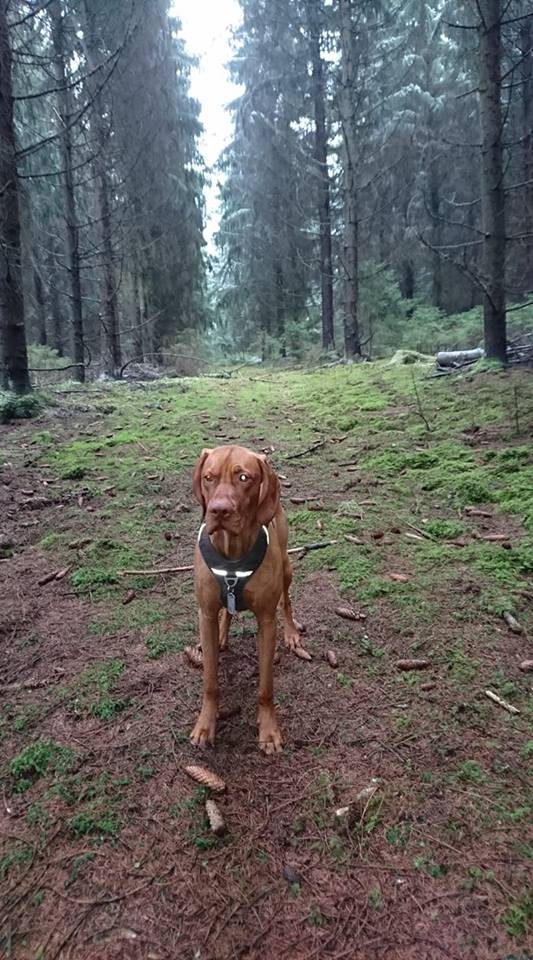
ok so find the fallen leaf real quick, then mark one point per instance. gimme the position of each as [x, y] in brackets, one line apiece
[331, 657]
[398, 577]
[129, 597]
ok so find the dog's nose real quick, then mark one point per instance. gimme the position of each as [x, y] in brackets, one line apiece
[220, 509]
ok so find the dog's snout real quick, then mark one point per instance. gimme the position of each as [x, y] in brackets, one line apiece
[221, 508]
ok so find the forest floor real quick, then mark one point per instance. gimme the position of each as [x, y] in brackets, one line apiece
[105, 851]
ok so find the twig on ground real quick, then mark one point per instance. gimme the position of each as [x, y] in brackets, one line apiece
[421, 413]
[311, 449]
[161, 571]
[501, 703]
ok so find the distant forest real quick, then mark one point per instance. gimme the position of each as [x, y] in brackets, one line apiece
[377, 190]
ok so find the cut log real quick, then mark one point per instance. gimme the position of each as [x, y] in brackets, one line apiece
[454, 358]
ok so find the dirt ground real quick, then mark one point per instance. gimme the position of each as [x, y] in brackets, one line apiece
[105, 850]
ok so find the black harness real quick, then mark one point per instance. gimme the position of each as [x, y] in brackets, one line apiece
[233, 575]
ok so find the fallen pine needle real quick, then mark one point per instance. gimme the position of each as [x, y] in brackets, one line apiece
[216, 820]
[206, 777]
[501, 703]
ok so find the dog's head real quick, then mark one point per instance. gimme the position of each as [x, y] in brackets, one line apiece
[237, 489]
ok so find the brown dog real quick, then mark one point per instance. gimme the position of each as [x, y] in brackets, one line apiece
[240, 496]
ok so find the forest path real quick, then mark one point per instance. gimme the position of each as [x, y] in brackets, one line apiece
[105, 849]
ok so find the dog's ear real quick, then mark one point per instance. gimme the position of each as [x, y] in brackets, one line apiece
[197, 477]
[268, 502]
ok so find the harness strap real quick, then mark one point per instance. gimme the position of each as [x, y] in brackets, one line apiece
[233, 575]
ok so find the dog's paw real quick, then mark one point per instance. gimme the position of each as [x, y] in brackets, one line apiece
[292, 639]
[204, 731]
[270, 740]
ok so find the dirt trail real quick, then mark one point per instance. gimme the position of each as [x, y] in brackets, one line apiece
[105, 850]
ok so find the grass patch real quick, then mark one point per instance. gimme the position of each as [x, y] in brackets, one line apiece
[37, 760]
[94, 690]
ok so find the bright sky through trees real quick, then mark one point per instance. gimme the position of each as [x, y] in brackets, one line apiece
[207, 27]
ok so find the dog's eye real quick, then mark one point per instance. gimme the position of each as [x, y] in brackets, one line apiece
[208, 477]
[243, 477]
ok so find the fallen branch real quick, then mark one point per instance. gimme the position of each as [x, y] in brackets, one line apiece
[501, 703]
[30, 684]
[187, 568]
[157, 572]
[311, 449]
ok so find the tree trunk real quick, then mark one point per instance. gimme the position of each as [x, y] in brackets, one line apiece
[56, 319]
[69, 198]
[110, 304]
[137, 339]
[321, 158]
[493, 193]
[40, 307]
[527, 102]
[12, 332]
[280, 308]
[352, 344]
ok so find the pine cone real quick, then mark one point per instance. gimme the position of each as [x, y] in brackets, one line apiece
[207, 778]
[216, 820]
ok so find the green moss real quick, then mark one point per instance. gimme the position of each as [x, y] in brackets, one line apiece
[444, 529]
[38, 759]
[94, 690]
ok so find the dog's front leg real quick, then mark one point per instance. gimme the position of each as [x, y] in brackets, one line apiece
[205, 729]
[269, 733]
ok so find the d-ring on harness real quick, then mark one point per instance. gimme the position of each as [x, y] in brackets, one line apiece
[233, 575]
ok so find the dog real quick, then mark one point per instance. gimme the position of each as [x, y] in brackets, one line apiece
[240, 562]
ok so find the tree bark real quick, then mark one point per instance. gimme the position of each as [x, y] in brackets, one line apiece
[321, 158]
[110, 300]
[69, 199]
[527, 103]
[40, 307]
[493, 193]
[56, 320]
[352, 344]
[12, 333]
[137, 339]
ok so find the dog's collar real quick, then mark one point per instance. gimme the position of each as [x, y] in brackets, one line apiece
[233, 575]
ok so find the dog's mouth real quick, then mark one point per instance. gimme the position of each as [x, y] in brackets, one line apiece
[216, 525]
